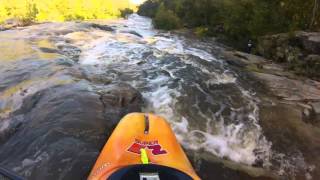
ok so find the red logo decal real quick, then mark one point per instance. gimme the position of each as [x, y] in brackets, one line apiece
[154, 146]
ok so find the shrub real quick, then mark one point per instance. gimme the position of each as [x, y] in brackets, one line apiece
[124, 13]
[75, 17]
[201, 31]
[166, 19]
[149, 8]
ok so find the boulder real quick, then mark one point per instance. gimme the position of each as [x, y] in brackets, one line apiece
[119, 100]
[59, 132]
[310, 41]
[280, 47]
[299, 50]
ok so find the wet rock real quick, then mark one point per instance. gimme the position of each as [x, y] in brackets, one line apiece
[3, 28]
[15, 22]
[241, 59]
[291, 89]
[316, 108]
[70, 51]
[307, 115]
[64, 128]
[102, 27]
[48, 50]
[103, 78]
[100, 79]
[223, 172]
[133, 33]
[146, 55]
[116, 97]
[141, 62]
[313, 57]
[253, 63]
[310, 41]
[65, 62]
[289, 134]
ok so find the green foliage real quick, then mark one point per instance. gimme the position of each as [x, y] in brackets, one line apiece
[149, 8]
[31, 14]
[124, 13]
[308, 67]
[240, 20]
[61, 10]
[201, 31]
[166, 19]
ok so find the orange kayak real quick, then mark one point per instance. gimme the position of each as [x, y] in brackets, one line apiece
[142, 146]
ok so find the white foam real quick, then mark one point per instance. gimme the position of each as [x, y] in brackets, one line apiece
[175, 45]
[4, 125]
[217, 78]
[236, 142]
[28, 164]
[201, 54]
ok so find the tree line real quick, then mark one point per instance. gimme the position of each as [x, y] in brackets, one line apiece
[234, 20]
[61, 10]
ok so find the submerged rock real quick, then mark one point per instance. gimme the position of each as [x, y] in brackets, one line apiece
[133, 33]
[64, 129]
[101, 27]
[70, 51]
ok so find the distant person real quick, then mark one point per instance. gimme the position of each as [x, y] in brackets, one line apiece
[249, 46]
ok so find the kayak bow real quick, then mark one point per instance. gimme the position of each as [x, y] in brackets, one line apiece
[142, 146]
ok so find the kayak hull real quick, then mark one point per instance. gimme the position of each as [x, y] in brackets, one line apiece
[138, 131]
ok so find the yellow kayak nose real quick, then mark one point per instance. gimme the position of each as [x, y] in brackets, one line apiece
[141, 140]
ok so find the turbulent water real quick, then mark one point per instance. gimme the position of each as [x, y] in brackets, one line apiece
[181, 80]
[211, 107]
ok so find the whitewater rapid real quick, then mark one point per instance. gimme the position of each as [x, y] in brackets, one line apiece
[162, 66]
[55, 76]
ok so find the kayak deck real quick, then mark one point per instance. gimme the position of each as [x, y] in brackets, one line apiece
[137, 132]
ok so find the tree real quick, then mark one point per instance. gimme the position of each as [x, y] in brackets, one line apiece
[166, 19]
[149, 8]
[314, 20]
[124, 13]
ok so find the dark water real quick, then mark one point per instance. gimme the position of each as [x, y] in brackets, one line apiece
[64, 86]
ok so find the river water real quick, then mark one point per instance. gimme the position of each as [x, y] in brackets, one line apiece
[212, 108]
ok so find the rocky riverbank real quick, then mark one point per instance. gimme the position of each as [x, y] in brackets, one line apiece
[299, 51]
[14, 23]
[289, 109]
[67, 85]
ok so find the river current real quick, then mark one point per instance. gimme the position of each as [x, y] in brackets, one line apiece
[212, 108]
